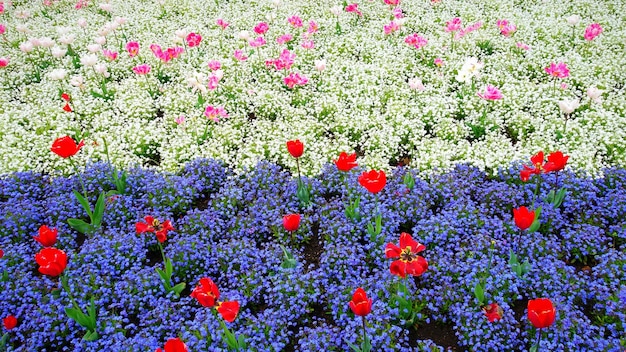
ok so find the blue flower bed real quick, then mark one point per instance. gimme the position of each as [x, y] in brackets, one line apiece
[228, 227]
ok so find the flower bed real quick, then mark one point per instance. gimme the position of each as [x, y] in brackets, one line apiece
[168, 81]
[228, 226]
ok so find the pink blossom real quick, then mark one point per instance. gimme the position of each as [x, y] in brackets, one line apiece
[354, 8]
[111, 55]
[438, 62]
[180, 120]
[214, 65]
[215, 112]
[295, 21]
[285, 38]
[220, 22]
[132, 48]
[592, 31]
[463, 32]
[261, 28]
[284, 61]
[4, 61]
[313, 27]
[559, 70]
[193, 39]
[239, 55]
[295, 79]
[522, 46]
[397, 13]
[453, 25]
[214, 81]
[259, 41]
[508, 30]
[491, 93]
[502, 23]
[156, 50]
[563, 86]
[1, 7]
[416, 41]
[3, 29]
[142, 69]
[391, 27]
[392, 2]
[308, 44]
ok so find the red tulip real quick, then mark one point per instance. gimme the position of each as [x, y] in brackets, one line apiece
[295, 148]
[174, 345]
[410, 263]
[556, 162]
[346, 162]
[291, 222]
[523, 217]
[206, 292]
[67, 108]
[228, 310]
[154, 225]
[360, 304]
[493, 312]
[66, 146]
[374, 181]
[52, 261]
[9, 322]
[65, 97]
[1, 253]
[535, 169]
[541, 312]
[47, 237]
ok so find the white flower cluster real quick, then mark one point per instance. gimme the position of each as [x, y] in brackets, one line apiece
[359, 83]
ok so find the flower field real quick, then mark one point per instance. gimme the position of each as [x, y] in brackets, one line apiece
[281, 175]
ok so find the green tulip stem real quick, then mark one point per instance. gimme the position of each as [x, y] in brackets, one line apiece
[65, 285]
[556, 182]
[538, 340]
[537, 187]
[298, 166]
[80, 178]
[162, 252]
[364, 331]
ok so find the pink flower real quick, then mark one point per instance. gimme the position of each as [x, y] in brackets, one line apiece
[285, 38]
[132, 48]
[193, 39]
[391, 27]
[522, 46]
[392, 2]
[295, 79]
[261, 28]
[592, 31]
[220, 22]
[214, 80]
[142, 69]
[308, 44]
[502, 23]
[259, 41]
[111, 55]
[313, 27]
[180, 120]
[4, 61]
[508, 30]
[215, 112]
[295, 21]
[438, 62]
[558, 70]
[239, 55]
[491, 93]
[3, 29]
[465, 31]
[354, 8]
[397, 13]
[214, 65]
[416, 41]
[453, 25]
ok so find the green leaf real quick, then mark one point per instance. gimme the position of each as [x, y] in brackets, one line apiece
[479, 293]
[163, 275]
[79, 225]
[98, 211]
[354, 348]
[92, 314]
[536, 223]
[169, 269]
[289, 261]
[3, 341]
[91, 335]
[179, 288]
[83, 202]
[78, 316]
[241, 341]
[5, 276]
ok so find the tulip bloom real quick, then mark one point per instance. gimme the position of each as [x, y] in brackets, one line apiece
[261, 28]
[360, 304]
[537, 168]
[291, 222]
[541, 312]
[132, 48]
[67, 107]
[523, 217]
[52, 261]
[410, 263]
[295, 148]
[346, 162]
[493, 312]
[228, 310]
[206, 292]
[491, 93]
[374, 181]
[47, 237]
[10, 322]
[592, 31]
[559, 70]
[66, 147]
[154, 225]
[1, 253]
[66, 97]
[193, 39]
[173, 345]
[142, 69]
[556, 162]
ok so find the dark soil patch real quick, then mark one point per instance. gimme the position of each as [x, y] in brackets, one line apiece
[407, 227]
[519, 308]
[440, 333]
[202, 202]
[153, 256]
[314, 248]
[80, 239]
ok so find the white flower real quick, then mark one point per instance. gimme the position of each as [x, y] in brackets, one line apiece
[77, 81]
[100, 40]
[121, 20]
[568, 106]
[219, 74]
[595, 94]
[46, 42]
[181, 33]
[89, 60]
[276, 3]
[113, 25]
[244, 35]
[195, 82]
[101, 69]
[35, 42]
[58, 52]
[27, 47]
[336, 10]
[67, 39]
[82, 23]
[57, 74]
[469, 70]
[416, 84]
[106, 7]
[61, 31]
[94, 48]
[21, 28]
[573, 20]
[320, 65]
[22, 14]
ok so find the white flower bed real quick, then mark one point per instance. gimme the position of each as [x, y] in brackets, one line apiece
[362, 101]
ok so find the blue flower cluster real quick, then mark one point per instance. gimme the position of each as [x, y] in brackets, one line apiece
[228, 226]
